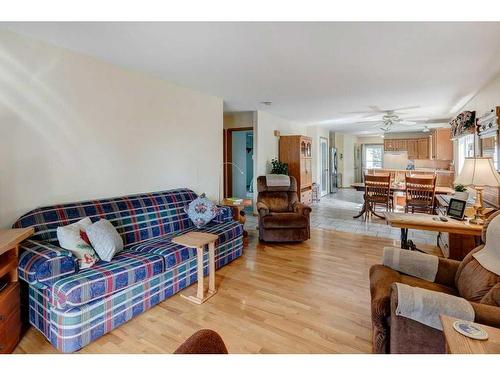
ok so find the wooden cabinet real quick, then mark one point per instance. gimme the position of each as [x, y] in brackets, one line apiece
[417, 148]
[10, 310]
[296, 151]
[442, 146]
[412, 148]
[423, 148]
[10, 318]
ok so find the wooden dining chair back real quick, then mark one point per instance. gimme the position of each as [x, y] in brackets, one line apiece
[378, 191]
[420, 193]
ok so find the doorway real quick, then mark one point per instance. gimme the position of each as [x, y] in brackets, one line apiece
[324, 165]
[238, 163]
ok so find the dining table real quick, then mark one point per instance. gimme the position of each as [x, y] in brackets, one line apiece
[395, 187]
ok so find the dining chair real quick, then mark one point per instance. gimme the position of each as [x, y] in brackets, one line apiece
[420, 193]
[377, 192]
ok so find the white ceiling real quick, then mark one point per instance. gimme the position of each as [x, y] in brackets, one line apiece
[312, 72]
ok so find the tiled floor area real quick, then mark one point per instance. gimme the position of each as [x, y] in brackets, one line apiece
[335, 212]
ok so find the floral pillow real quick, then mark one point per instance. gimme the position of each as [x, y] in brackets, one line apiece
[201, 211]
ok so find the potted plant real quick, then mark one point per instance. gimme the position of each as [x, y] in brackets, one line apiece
[461, 192]
[278, 167]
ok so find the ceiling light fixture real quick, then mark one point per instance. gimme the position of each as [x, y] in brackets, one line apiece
[266, 103]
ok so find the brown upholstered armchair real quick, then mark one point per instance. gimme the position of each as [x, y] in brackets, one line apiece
[393, 333]
[281, 216]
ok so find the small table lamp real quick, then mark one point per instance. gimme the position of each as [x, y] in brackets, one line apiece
[478, 172]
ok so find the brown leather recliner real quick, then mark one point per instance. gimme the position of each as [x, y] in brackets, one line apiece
[282, 218]
[467, 279]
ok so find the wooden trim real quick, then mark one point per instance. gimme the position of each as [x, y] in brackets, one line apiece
[228, 158]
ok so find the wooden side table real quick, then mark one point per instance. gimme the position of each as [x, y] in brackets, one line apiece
[198, 240]
[237, 208]
[10, 310]
[457, 343]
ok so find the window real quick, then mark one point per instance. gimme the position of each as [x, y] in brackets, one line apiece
[465, 149]
[373, 156]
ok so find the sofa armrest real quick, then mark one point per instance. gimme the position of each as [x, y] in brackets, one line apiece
[224, 215]
[302, 209]
[41, 261]
[262, 209]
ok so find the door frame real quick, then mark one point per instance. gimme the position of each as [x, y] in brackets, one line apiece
[228, 158]
[321, 166]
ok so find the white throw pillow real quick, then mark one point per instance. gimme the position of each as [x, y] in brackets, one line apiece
[72, 237]
[105, 239]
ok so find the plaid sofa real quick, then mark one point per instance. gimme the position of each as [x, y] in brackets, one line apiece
[73, 307]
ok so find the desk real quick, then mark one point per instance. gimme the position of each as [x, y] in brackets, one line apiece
[460, 344]
[427, 222]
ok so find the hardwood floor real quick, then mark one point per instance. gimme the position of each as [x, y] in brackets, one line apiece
[277, 298]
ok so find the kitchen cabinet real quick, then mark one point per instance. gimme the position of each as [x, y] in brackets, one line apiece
[442, 146]
[417, 148]
[423, 148]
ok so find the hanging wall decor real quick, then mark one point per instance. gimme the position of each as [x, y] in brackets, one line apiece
[464, 123]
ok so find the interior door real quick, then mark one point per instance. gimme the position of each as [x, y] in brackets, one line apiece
[324, 165]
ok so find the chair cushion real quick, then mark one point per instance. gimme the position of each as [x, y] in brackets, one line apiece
[104, 278]
[284, 220]
[175, 254]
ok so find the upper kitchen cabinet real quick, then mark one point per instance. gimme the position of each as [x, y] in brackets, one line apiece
[442, 146]
[417, 148]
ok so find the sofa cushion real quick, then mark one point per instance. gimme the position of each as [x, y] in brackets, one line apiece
[175, 254]
[284, 220]
[104, 278]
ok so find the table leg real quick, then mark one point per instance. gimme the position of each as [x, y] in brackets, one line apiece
[200, 292]
[211, 267]
[404, 238]
[363, 210]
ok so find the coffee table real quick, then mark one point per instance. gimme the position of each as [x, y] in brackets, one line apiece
[198, 240]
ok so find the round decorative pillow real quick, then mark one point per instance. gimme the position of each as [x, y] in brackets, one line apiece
[201, 211]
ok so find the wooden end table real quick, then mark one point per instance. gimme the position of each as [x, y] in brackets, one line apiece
[457, 343]
[237, 208]
[198, 240]
[10, 303]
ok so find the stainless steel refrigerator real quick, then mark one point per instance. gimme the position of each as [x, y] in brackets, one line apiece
[334, 178]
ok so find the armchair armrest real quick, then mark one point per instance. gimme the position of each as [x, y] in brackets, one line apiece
[486, 314]
[420, 265]
[262, 209]
[302, 209]
[41, 261]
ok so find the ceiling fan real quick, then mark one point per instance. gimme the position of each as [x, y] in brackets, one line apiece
[391, 117]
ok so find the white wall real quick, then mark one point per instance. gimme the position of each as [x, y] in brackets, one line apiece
[73, 128]
[486, 99]
[267, 145]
